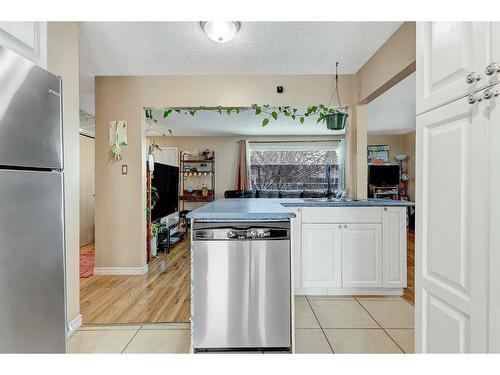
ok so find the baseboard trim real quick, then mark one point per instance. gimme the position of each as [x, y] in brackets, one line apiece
[349, 291]
[121, 270]
[74, 324]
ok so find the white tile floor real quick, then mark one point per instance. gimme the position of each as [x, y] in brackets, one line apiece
[344, 324]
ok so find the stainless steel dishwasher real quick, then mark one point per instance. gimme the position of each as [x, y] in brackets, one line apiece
[241, 286]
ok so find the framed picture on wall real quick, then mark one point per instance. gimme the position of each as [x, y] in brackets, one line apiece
[378, 154]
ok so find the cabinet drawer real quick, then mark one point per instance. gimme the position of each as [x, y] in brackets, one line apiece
[342, 215]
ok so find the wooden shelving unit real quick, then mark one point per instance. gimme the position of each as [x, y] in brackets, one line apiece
[197, 172]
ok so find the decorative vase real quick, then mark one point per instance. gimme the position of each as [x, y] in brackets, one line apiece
[336, 121]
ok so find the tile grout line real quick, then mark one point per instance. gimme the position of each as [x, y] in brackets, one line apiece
[383, 329]
[133, 337]
[320, 326]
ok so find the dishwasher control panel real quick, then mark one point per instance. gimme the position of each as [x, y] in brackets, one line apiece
[241, 233]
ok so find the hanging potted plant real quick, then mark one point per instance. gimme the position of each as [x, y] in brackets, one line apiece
[336, 119]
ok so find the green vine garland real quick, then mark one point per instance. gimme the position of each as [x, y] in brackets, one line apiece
[274, 113]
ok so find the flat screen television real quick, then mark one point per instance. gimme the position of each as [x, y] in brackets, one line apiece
[166, 181]
[383, 175]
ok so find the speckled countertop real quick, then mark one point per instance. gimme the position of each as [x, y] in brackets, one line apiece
[276, 208]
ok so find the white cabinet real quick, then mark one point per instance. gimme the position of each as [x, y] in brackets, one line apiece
[296, 230]
[321, 255]
[346, 250]
[28, 39]
[362, 255]
[450, 52]
[394, 239]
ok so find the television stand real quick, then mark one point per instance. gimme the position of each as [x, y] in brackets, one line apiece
[168, 240]
[384, 192]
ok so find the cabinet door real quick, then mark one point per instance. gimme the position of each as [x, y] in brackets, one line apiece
[492, 52]
[394, 247]
[28, 39]
[493, 112]
[451, 278]
[362, 255]
[321, 255]
[446, 53]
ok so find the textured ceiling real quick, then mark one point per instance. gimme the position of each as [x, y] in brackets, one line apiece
[182, 48]
[209, 123]
[394, 111]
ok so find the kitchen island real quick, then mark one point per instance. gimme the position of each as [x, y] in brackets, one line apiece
[326, 247]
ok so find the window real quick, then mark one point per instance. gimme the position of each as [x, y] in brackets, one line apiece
[296, 165]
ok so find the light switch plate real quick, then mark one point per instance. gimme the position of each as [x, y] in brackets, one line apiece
[124, 169]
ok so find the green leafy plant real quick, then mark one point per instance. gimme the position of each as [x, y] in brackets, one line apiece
[155, 228]
[154, 199]
[321, 111]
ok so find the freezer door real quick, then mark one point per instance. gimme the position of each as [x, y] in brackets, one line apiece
[32, 278]
[30, 114]
[241, 294]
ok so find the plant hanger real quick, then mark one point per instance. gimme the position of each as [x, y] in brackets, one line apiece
[337, 120]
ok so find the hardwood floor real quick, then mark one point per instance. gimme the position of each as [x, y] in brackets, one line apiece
[409, 293]
[161, 295]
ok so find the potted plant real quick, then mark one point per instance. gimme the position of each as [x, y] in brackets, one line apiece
[155, 231]
[336, 119]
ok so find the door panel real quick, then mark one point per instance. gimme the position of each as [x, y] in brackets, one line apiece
[321, 255]
[447, 53]
[451, 240]
[32, 295]
[394, 247]
[30, 114]
[362, 255]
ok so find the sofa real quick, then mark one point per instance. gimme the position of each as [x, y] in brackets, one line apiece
[271, 193]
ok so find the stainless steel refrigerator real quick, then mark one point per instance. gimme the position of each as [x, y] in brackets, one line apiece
[32, 251]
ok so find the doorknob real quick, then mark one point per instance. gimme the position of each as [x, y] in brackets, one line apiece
[474, 98]
[490, 93]
[472, 77]
[492, 69]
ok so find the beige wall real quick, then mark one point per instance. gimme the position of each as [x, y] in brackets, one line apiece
[63, 59]
[394, 61]
[390, 64]
[399, 144]
[120, 199]
[226, 151]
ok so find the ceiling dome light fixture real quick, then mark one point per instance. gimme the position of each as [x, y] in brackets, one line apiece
[220, 31]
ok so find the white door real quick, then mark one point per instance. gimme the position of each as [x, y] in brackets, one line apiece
[321, 255]
[452, 240]
[87, 190]
[394, 247]
[447, 53]
[361, 255]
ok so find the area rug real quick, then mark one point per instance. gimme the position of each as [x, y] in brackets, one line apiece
[87, 262]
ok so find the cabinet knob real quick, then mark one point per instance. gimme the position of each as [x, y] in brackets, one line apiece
[345, 225]
[490, 93]
[385, 208]
[472, 77]
[340, 226]
[474, 98]
[492, 69]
